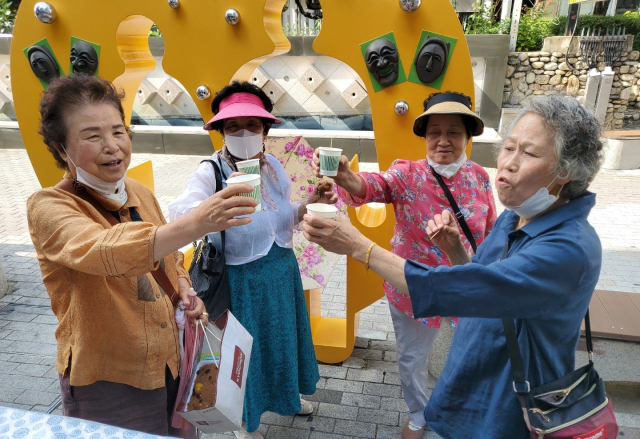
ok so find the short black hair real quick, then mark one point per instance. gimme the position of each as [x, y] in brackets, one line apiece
[241, 87]
[64, 96]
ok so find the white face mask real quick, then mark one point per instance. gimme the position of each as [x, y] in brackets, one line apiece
[243, 144]
[537, 203]
[450, 169]
[113, 191]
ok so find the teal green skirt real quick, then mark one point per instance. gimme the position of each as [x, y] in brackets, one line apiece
[268, 299]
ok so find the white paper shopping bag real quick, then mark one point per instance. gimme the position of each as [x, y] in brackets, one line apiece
[215, 400]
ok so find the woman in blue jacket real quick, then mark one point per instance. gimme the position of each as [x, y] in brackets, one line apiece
[545, 165]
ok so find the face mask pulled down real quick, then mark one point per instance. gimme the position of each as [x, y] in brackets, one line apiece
[113, 191]
[449, 170]
[243, 144]
[537, 203]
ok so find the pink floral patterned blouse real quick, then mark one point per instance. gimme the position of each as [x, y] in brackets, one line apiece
[416, 198]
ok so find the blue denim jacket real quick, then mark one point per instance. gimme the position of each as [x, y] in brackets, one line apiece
[545, 284]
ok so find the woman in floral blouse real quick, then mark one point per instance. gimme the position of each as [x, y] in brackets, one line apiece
[412, 187]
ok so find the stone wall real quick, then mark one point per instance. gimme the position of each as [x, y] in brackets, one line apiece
[545, 73]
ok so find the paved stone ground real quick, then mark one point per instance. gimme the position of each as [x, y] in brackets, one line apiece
[359, 398]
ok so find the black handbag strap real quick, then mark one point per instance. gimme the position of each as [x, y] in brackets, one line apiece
[456, 210]
[520, 384]
[217, 169]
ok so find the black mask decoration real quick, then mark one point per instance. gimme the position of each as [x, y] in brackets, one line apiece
[432, 59]
[43, 63]
[382, 60]
[84, 58]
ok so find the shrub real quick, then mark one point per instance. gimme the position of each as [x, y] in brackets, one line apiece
[7, 15]
[533, 28]
[483, 20]
[628, 20]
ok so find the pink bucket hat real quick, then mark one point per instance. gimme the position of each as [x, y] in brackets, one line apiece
[241, 105]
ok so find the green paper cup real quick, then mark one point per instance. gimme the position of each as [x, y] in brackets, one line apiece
[329, 161]
[320, 210]
[253, 180]
[249, 166]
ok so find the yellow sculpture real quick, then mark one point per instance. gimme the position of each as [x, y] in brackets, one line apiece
[201, 48]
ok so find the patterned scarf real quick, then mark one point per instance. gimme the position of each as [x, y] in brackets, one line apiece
[271, 174]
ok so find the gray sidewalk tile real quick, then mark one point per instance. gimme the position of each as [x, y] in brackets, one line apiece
[385, 417]
[354, 363]
[393, 404]
[368, 354]
[374, 376]
[360, 400]
[276, 419]
[392, 378]
[357, 429]
[8, 394]
[321, 435]
[344, 385]
[325, 395]
[36, 397]
[30, 370]
[388, 432]
[314, 423]
[384, 366]
[386, 390]
[286, 433]
[332, 371]
[338, 411]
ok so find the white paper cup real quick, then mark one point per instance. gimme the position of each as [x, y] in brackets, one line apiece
[249, 166]
[320, 210]
[253, 180]
[329, 161]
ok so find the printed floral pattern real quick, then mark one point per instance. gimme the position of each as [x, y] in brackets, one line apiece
[416, 197]
[296, 155]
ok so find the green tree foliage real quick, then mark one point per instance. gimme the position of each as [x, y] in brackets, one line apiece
[7, 15]
[484, 21]
[629, 20]
[533, 28]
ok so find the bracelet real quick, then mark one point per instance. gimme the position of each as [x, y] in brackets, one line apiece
[368, 256]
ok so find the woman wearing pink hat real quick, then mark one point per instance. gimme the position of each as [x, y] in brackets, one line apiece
[266, 289]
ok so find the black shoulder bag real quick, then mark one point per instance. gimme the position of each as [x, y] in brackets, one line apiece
[574, 406]
[208, 270]
[456, 210]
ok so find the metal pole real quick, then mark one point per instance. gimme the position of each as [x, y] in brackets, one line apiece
[515, 22]
[506, 9]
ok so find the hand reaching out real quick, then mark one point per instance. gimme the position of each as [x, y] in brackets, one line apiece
[443, 231]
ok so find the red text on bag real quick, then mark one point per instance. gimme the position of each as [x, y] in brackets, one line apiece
[598, 433]
[238, 366]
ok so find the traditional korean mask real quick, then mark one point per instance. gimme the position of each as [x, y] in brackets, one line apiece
[84, 58]
[43, 63]
[382, 61]
[432, 59]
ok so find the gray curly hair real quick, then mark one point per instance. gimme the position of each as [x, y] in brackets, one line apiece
[576, 131]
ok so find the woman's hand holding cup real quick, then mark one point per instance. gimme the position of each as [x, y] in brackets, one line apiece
[334, 235]
[219, 211]
[343, 166]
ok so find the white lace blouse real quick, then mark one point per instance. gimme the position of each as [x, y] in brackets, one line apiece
[254, 240]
